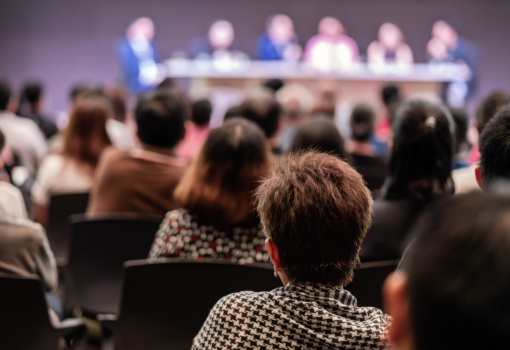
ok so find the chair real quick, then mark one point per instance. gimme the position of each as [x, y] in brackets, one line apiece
[24, 319]
[99, 247]
[61, 206]
[368, 281]
[166, 301]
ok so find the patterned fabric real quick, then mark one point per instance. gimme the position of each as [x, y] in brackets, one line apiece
[181, 235]
[293, 317]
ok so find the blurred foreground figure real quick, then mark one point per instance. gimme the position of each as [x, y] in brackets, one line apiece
[453, 291]
[30, 106]
[280, 41]
[390, 47]
[331, 48]
[313, 240]
[139, 59]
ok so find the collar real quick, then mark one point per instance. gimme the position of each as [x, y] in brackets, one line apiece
[156, 157]
[323, 293]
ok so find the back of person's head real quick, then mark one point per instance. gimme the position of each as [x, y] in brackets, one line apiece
[5, 94]
[167, 83]
[494, 147]
[218, 186]
[461, 120]
[316, 210]
[160, 119]
[454, 292]
[263, 110]
[233, 112]
[32, 92]
[489, 106]
[390, 94]
[320, 134]
[362, 122]
[117, 97]
[85, 136]
[85, 89]
[201, 112]
[423, 146]
[274, 84]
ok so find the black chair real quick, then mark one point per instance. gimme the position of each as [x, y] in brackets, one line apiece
[99, 247]
[368, 281]
[24, 319]
[61, 207]
[166, 301]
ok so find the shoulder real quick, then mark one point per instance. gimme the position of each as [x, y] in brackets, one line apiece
[24, 229]
[6, 189]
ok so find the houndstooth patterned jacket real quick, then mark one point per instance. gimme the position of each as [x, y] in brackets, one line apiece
[293, 317]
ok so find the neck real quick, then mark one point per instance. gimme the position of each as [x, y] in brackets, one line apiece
[172, 152]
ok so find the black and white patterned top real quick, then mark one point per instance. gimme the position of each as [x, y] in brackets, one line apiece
[181, 235]
[293, 317]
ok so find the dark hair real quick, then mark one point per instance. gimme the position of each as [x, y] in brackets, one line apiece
[160, 119]
[5, 94]
[117, 97]
[85, 89]
[316, 209]
[320, 134]
[264, 111]
[167, 83]
[494, 147]
[390, 94]
[232, 112]
[362, 122]
[457, 274]
[32, 92]
[218, 186]
[201, 112]
[421, 158]
[274, 84]
[2, 141]
[461, 120]
[489, 106]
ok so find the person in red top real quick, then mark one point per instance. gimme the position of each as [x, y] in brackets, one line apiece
[197, 131]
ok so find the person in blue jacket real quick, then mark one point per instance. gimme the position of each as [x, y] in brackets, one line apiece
[279, 42]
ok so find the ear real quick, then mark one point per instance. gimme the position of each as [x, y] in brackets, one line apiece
[396, 304]
[478, 175]
[273, 253]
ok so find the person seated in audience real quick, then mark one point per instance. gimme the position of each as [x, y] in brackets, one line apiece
[320, 134]
[419, 174]
[462, 145]
[143, 180]
[452, 292]
[118, 98]
[197, 129]
[217, 218]
[30, 106]
[390, 48]
[331, 48]
[73, 169]
[263, 109]
[391, 99]
[22, 135]
[313, 240]
[362, 153]
[464, 178]
[280, 41]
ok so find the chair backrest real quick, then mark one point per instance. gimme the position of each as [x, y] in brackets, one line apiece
[166, 301]
[99, 247]
[61, 207]
[24, 320]
[368, 281]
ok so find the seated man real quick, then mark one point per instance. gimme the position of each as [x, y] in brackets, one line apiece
[453, 290]
[315, 211]
[143, 180]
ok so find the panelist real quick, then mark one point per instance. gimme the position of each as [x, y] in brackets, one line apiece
[390, 47]
[280, 41]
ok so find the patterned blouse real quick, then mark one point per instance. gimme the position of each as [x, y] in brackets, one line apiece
[293, 317]
[181, 235]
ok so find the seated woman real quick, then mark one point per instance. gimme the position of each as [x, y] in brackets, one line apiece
[315, 211]
[390, 48]
[217, 218]
[72, 169]
[419, 173]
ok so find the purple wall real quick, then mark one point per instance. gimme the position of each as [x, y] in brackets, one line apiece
[65, 41]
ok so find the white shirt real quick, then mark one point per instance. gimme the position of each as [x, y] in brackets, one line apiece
[24, 138]
[59, 174]
[119, 134]
[12, 206]
[465, 180]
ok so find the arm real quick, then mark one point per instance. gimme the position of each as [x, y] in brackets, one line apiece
[167, 239]
[45, 262]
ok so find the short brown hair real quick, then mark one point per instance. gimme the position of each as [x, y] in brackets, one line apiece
[219, 184]
[317, 210]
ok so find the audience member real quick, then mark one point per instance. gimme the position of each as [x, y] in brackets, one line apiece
[143, 180]
[73, 169]
[331, 48]
[118, 99]
[274, 84]
[263, 109]
[462, 145]
[321, 135]
[12, 206]
[30, 106]
[391, 99]
[22, 135]
[362, 153]
[390, 48]
[313, 241]
[451, 293]
[419, 173]
[280, 41]
[197, 131]
[217, 218]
